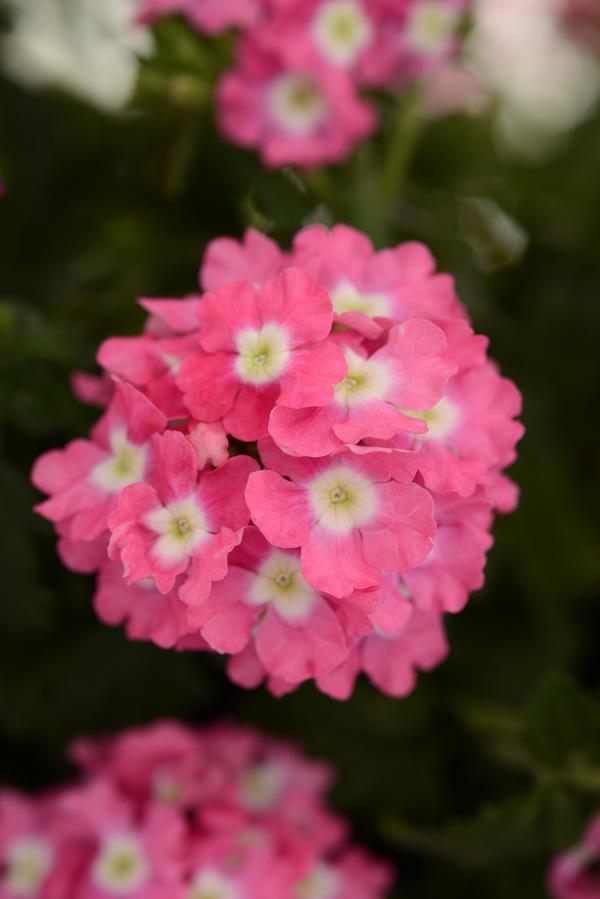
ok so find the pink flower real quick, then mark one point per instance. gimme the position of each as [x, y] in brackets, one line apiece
[85, 479]
[574, 874]
[228, 868]
[171, 318]
[291, 115]
[211, 444]
[123, 857]
[164, 761]
[210, 16]
[150, 364]
[261, 347]
[391, 660]
[297, 632]
[369, 288]
[409, 371]
[351, 514]
[169, 812]
[148, 613]
[355, 36]
[93, 390]
[180, 521]
[256, 258]
[29, 852]
[354, 875]
[471, 433]
[429, 37]
[454, 567]
[383, 429]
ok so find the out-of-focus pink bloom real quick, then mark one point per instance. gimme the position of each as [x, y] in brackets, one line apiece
[574, 874]
[169, 812]
[256, 258]
[290, 114]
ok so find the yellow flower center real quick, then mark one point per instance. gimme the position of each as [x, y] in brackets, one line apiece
[284, 579]
[183, 526]
[338, 495]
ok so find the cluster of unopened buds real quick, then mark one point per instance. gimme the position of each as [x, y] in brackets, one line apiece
[298, 468]
[575, 874]
[294, 90]
[168, 812]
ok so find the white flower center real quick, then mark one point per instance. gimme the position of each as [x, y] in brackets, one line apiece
[431, 25]
[28, 863]
[279, 581]
[124, 467]
[366, 379]
[261, 787]
[120, 867]
[440, 419]
[342, 499]
[297, 104]
[210, 884]
[323, 882]
[174, 362]
[341, 30]
[180, 526]
[263, 355]
[346, 298]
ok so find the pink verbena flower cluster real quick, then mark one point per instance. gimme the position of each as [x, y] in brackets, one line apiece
[298, 468]
[576, 873]
[167, 812]
[294, 91]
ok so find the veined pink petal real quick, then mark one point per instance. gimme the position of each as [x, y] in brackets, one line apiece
[303, 310]
[311, 374]
[209, 385]
[375, 418]
[221, 493]
[279, 508]
[175, 470]
[295, 653]
[248, 418]
[401, 537]
[336, 563]
[233, 308]
[223, 618]
[209, 563]
[256, 259]
[305, 432]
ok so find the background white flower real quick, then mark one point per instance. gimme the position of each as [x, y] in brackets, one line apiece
[546, 82]
[90, 48]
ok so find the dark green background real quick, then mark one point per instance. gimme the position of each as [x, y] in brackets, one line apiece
[473, 782]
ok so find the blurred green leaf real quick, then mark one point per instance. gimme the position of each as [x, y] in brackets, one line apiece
[560, 721]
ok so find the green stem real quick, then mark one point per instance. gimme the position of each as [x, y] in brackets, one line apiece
[403, 140]
[321, 186]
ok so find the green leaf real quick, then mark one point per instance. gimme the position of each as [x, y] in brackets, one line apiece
[560, 721]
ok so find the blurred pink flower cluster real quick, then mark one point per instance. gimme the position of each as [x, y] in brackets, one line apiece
[167, 812]
[294, 91]
[299, 468]
[576, 873]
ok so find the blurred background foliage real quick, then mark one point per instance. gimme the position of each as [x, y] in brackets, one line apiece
[494, 763]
